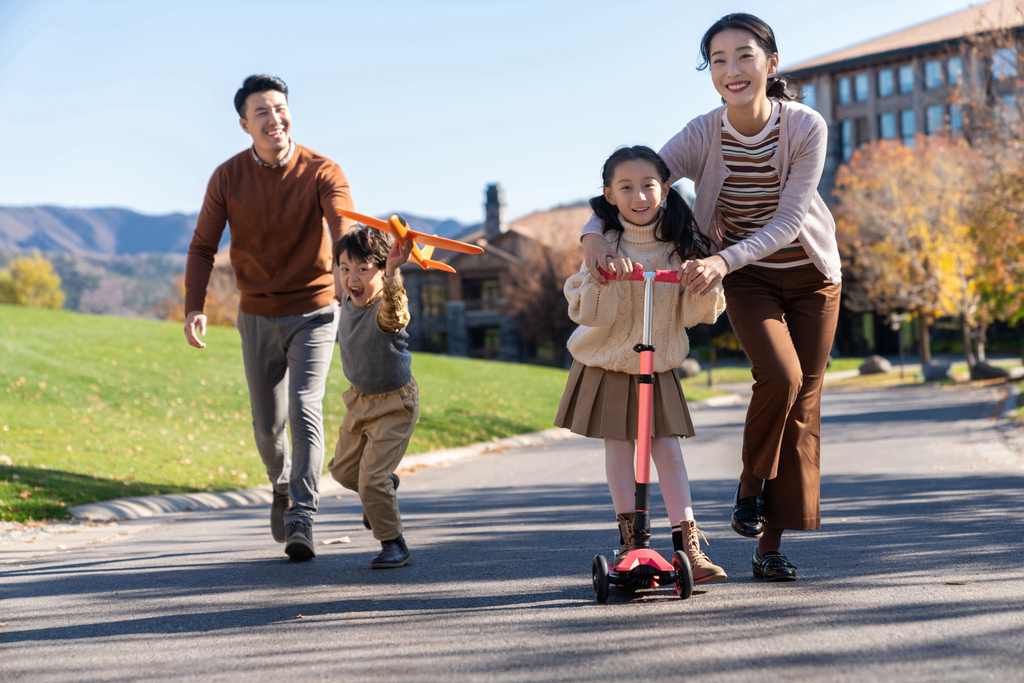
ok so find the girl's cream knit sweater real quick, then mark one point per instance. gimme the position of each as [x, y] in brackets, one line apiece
[611, 316]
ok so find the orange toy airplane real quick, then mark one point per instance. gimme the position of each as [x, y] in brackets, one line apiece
[397, 226]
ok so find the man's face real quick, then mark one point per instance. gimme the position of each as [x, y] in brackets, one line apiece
[269, 122]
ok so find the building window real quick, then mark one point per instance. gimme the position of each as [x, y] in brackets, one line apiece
[1004, 63]
[846, 135]
[933, 74]
[956, 118]
[861, 86]
[862, 132]
[954, 70]
[483, 294]
[887, 125]
[435, 342]
[433, 296]
[886, 83]
[810, 97]
[906, 79]
[484, 342]
[908, 126]
[934, 118]
[844, 90]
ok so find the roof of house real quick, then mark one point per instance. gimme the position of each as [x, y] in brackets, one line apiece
[555, 227]
[988, 16]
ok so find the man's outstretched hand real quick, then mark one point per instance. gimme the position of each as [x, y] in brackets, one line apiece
[195, 324]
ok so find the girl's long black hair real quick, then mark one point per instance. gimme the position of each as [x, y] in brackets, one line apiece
[678, 224]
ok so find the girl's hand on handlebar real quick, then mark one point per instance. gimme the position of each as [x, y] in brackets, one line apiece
[703, 274]
[622, 267]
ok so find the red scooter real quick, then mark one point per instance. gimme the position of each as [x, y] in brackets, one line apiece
[643, 567]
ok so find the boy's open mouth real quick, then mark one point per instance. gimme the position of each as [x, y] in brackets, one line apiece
[356, 292]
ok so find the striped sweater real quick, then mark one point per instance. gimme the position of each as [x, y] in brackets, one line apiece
[750, 194]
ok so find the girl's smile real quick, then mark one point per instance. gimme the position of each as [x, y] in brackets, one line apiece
[637, 191]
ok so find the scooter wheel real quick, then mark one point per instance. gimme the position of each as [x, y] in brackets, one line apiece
[600, 575]
[684, 574]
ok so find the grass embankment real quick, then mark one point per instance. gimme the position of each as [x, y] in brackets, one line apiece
[94, 408]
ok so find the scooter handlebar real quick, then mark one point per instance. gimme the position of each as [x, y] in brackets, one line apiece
[659, 275]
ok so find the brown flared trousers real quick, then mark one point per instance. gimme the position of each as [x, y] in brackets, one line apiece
[785, 320]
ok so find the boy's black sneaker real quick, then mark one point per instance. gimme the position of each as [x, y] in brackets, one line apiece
[393, 554]
[300, 541]
[277, 508]
[366, 520]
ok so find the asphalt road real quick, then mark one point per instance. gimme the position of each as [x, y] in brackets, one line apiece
[916, 574]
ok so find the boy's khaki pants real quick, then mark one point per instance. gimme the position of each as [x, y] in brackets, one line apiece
[371, 442]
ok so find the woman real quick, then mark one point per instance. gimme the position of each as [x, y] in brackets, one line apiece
[755, 163]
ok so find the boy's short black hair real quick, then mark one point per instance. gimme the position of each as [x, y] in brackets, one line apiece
[365, 244]
[258, 83]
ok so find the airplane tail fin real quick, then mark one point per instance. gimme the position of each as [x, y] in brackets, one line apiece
[425, 252]
[438, 265]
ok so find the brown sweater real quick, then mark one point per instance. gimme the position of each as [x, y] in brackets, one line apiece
[283, 224]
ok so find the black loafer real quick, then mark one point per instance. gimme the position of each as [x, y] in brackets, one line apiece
[392, 554]
[772, 567]
[366, 520]
[748, 515]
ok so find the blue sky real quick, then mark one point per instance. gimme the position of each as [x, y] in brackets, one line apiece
[129, 103]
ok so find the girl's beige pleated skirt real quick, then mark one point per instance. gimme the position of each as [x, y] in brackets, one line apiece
[603, 404]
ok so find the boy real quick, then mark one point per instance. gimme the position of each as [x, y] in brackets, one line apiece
[382, 404]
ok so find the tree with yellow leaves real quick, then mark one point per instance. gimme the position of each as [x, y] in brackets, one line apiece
[905, 218]
[30, 281]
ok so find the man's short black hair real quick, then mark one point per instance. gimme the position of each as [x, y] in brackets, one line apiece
[258, 83]
[364, 245]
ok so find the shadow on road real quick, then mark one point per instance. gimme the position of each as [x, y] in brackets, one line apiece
[489, 548]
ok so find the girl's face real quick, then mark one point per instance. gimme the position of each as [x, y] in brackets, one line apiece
[637, 191]
[740, 67]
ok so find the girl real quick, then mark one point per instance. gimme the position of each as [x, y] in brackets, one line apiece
[646, 225]
[755, 163]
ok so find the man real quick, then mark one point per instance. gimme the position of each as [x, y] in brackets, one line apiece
[281, 200]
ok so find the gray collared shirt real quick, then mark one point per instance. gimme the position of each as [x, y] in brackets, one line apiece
[280, 164]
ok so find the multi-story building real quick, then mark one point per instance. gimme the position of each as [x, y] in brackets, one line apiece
[905, 83]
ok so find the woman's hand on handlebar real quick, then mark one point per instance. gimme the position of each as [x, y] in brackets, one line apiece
[703, 275]
[598, 254]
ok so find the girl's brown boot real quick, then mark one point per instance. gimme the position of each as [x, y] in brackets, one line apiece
[625, 536]
[704, 571]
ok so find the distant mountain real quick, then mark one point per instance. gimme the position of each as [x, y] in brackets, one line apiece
[121, 232]
[111, 232]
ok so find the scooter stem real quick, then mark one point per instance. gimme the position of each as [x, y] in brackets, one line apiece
[642, 516]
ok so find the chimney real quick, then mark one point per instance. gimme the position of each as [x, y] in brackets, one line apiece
[494, 210]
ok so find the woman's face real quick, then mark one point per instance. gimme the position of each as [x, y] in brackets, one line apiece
[636, 191]
[740, 67]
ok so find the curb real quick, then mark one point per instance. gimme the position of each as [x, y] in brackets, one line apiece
[1010, 404]
[165, 504]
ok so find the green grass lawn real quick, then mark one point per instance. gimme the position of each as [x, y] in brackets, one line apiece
[97, 407]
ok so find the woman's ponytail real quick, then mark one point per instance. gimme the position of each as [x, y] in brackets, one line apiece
[783, 88]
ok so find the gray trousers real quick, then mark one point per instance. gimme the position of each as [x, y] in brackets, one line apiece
[286, 363]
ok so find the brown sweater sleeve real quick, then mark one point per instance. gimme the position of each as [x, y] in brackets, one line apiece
[334, 194]
[209, 228]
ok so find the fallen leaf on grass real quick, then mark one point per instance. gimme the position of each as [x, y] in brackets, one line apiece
[333, 541]
[25, 494]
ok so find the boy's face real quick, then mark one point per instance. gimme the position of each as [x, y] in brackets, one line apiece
[362, 281]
